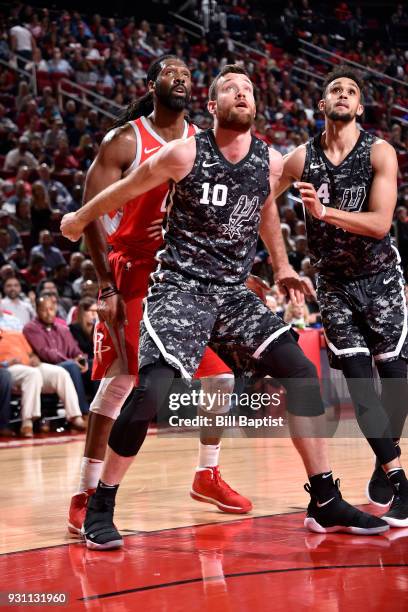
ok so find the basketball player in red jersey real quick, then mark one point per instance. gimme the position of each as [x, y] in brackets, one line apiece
[123, 274]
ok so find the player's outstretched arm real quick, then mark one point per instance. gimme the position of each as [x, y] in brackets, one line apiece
[271, 234]
[173, 162]
[376, 222]
[293, 165]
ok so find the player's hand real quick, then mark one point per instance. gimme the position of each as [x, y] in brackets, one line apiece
[308, 288]
[155, 229]
[293, 285]
[112, 310]
[71, 227]
[310, 199]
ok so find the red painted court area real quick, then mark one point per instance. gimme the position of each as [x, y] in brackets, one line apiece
[266, 563]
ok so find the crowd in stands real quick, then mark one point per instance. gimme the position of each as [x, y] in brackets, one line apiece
[47, 143]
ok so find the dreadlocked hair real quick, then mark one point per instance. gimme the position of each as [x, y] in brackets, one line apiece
[143, 106]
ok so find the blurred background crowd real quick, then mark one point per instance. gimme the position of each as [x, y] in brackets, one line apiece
[65, 75]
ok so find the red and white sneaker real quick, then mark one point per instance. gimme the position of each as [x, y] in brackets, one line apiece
[77, 512]
[209, 487]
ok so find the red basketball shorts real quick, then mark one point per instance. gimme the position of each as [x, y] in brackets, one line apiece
[121, 342]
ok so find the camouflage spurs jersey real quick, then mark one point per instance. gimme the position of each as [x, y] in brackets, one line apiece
[335, 251]
[213, 214]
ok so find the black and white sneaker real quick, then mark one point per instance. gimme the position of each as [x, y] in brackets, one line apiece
[397, 515]
[336, 515]
[98, 529]
[379, 489]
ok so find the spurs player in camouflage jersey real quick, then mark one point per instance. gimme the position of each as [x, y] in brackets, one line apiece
[348, 183]
[123, 271]
[221, 196]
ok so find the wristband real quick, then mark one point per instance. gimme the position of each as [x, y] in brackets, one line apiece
[107, 294]
[108, 289]
[323, 213]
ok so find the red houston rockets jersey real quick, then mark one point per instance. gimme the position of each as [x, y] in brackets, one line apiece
[127, 227]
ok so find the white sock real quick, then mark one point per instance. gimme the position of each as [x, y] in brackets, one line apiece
[208, 455]
[91, 470]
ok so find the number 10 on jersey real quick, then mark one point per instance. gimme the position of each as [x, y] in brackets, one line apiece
[218, 194]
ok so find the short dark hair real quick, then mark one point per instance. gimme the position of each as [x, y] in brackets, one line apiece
[36, 258]
[86, 303]
[44, 297]
[343, 71]
[228, 69]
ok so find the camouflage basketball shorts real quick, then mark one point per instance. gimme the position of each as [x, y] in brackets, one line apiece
[364, 316]
[182, 316]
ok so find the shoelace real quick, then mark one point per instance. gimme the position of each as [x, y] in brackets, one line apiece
[219, 481]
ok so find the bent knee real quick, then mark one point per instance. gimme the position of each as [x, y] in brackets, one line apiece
[111, 395]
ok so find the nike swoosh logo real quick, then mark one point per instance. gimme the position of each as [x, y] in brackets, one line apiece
[327, 475]
[386, 281]
[319, 505]
[314, 166]
[207, 165]
[147, 151]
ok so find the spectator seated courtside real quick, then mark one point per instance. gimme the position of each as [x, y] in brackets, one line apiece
[54, 344]
[32, 377]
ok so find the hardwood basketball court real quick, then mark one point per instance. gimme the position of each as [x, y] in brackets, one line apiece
[183, 555]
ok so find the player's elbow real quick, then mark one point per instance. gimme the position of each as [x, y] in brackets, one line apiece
[381, 230]
[380, 235]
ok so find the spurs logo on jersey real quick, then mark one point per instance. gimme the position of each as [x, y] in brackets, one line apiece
[241, 214]
[214, 214]
[346, 187]
[353, 199]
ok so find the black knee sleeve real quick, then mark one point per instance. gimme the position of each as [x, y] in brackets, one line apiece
[285, 361]
[370, 413]
[394, 393]
[130, 428]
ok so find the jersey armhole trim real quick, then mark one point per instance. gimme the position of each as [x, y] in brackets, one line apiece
[138, 155]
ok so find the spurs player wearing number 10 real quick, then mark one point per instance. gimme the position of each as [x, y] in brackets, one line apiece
[222, 185]
[348, 182]
[123, 276]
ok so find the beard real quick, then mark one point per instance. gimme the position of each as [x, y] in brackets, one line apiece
[172, 102]
[333, 115]
[233, 120]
